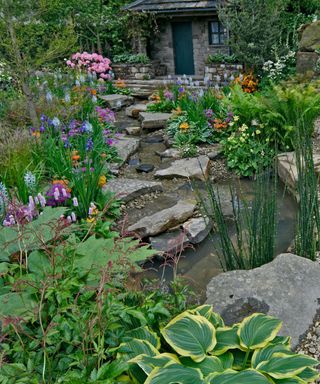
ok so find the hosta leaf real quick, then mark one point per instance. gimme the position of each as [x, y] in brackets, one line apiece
[257, 330]
[227, 338]
[209, 365]
[227, 360]
[248, 376]
[282, 366]
[207, 311]
[286, 340]
[190, 335]
[239, 358]
[309, 374]
[144, 333]
[266, 353]
[291, 380]
[175, 374]
[135, 347]
[149, 363]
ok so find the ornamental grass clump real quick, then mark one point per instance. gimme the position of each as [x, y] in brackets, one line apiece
[308, 217]
[248, 241]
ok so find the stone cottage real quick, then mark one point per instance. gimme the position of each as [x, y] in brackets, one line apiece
[189, 31]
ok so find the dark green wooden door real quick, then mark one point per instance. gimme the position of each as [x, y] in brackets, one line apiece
[183, 48]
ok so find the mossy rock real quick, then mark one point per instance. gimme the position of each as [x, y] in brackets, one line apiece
[310, 37]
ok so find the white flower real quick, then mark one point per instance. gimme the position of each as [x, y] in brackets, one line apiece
[30, 180]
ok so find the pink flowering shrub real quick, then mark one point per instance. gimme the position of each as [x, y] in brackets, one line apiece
[91, 62]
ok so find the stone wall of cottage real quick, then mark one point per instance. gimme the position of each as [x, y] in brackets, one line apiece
[162, 45]
[222, 73]
[139, 71]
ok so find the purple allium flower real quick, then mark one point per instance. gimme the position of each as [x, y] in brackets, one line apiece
[181, 89]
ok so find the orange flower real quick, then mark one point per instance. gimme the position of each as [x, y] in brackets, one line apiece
[177, 111]
[120, 83]
[36, 134]
[62, 182]
[184, 125]
[93, 92]
[102, 181]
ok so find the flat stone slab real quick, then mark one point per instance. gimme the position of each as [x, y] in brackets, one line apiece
[197, 229]
[170, 153]
[287, 288]
[196, 168]
[163, 220]
[117, 101]
[130, 189]
[135, 109]
[133, 131]
[154, 120]
[170, 242]
[126, 146]
[287, 168]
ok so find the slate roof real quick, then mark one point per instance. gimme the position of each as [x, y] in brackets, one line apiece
[172, 6]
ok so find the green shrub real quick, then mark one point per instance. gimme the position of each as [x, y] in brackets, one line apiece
[198, 348]
[221, 58]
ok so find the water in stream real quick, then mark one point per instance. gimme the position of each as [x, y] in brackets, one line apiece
[198, 264]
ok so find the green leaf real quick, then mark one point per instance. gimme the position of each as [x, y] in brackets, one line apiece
[175, 374]
[4, 268]
[144, 333]
[282, 366]
[248, 376]
[149, 363]
[309, 374]
[291, 380]
[112, 370]
[207, 311]
[266, 353]
[135, 347]
[39, 264]
[227, 338]
[227, 360]
[35, 233]
[209, 365]
[190, 335]
[17, 304]
[257, 330]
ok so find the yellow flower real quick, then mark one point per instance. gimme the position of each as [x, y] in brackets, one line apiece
[91, 220]
[258, 132]
[102, 181]
[236, 118]
[184, 125]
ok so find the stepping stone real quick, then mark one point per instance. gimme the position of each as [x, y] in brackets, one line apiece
[125, 147]
[287, 288]
[163, 220]
[155, 120]
[169, 242]
[170, 153]
[197, 229]
[130, 189]
[196, 168]
[145, 168]
[117, 101]
[134, 110]
[155, 139]
[133, 131]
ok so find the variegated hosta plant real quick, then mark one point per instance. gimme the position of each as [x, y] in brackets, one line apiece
[199, 349]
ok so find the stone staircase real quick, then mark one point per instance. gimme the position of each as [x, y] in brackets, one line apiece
[145, 88]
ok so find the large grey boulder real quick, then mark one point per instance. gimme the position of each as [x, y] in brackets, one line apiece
[117, 102]
[287, 288]
[195, 168]
[310, 37]
[130, 189]
[154, 120]
[197, 229]
[163, 220]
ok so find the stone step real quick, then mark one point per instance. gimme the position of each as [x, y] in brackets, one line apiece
[163, 220]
